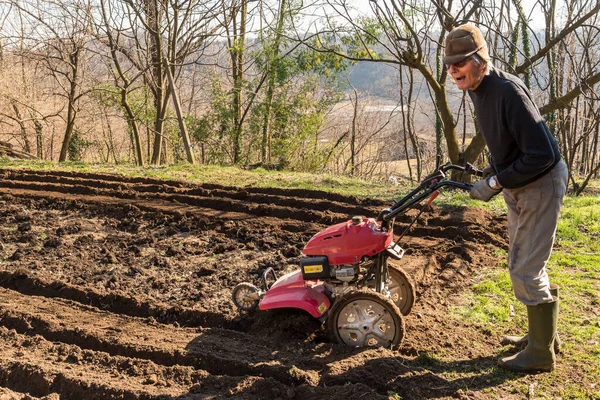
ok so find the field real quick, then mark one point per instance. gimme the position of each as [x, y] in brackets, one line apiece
[116, 287]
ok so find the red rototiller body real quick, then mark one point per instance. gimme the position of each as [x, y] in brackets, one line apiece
[345, 279]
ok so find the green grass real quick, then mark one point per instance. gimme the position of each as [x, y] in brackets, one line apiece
[575, 266]
[492, 296]
[460, 198]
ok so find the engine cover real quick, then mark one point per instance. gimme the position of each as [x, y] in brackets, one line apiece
[349, 242]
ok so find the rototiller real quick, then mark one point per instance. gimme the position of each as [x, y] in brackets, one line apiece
[344, 277]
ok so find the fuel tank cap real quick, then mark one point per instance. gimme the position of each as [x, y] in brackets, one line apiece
[357, 219]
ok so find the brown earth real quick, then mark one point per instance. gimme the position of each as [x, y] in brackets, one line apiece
[114, 287]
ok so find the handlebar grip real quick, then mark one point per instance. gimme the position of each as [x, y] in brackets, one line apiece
[470, 168]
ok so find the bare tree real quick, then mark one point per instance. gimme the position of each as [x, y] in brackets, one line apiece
[61, 35]
[236, 12]
[178, 30]
[411, 34]
[273, 52]
[113, 32]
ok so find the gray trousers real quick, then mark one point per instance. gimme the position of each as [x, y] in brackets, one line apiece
[532, 218]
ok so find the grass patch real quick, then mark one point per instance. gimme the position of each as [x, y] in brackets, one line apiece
[460, 198]
[492, 301]
[574, 266]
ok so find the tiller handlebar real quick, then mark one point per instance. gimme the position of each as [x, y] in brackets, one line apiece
[429, 187]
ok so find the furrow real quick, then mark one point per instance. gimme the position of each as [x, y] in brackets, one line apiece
[215, 203]
[217, 351]
[38, 367]
[182, 190]
[21, 282]
[45, 176]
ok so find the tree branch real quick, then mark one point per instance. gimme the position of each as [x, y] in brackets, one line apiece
[564, 101]
[543, 51]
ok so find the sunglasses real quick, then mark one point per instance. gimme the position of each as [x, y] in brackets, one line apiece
[459, 64]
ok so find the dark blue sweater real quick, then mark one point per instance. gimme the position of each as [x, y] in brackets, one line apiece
[522, 147]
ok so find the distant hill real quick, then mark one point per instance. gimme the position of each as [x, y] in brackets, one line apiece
[377, 79]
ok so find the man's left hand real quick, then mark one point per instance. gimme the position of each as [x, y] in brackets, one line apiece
[482, 191]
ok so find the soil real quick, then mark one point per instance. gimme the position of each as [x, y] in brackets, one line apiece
[114, 287]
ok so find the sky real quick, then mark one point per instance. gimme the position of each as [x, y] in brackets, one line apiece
[530, 7]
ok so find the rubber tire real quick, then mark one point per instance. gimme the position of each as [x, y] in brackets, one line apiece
[248, 287]
[369, 295]
[401, 278]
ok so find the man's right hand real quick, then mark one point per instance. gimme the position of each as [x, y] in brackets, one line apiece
[483, 191]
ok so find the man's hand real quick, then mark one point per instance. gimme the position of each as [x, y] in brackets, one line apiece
[482, 190]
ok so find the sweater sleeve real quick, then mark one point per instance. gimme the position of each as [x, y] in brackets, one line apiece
[533, 138]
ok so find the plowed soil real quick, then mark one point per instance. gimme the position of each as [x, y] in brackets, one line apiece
[114, 287]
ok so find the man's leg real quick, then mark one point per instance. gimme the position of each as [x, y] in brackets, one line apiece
[532, 219]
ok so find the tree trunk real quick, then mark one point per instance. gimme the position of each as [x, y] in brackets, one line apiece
[405, 120]
[153, 13]
[184, 133]
[39, 139]
[134, 128]
[353, 133]
[19, 119]
[72, 111]
[274, 53]
[238, 80]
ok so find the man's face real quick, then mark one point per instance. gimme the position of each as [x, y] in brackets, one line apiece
[466, 73]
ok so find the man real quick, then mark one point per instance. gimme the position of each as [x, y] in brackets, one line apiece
[526, 166]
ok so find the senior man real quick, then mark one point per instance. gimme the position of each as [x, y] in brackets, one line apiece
[526, 166]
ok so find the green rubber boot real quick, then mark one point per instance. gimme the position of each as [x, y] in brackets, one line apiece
[522, 340]
[538, 356]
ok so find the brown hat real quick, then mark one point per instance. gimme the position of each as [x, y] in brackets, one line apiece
[464, 41]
